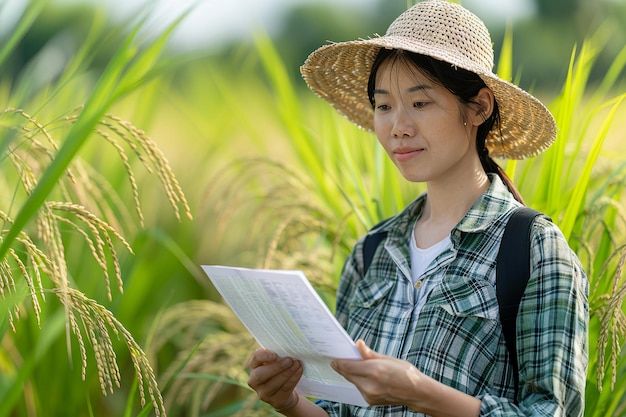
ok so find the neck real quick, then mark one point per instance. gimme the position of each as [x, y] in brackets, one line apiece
[450, 196]
[445, 206]
[454, 198]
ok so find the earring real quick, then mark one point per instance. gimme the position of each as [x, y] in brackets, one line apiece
[464, 123]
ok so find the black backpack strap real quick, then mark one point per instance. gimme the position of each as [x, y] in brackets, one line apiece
[371, 242]
[512, 274]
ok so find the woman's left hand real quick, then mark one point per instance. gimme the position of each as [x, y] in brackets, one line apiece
[382, 380]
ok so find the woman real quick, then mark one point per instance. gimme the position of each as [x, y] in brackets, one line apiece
[425, 313]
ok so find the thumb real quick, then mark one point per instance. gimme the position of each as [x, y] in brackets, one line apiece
[365, 351]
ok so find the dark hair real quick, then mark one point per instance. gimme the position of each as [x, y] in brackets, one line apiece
[465, 85]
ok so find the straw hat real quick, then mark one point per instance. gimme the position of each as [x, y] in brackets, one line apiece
[446, 31]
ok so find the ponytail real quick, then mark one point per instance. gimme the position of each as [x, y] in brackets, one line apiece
[489, 165]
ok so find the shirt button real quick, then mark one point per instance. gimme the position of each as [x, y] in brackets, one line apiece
[418, 285]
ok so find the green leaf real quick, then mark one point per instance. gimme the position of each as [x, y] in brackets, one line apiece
[574, 206]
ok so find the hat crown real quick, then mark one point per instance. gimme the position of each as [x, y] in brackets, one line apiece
[452, 33]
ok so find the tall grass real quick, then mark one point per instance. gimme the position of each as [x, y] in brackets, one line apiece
[52, 202]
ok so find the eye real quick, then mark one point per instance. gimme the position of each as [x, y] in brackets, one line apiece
[419, 104]
[382, 107]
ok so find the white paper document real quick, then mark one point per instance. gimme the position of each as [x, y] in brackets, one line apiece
[285, 315]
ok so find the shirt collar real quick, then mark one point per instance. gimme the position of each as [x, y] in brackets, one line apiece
[488, 208]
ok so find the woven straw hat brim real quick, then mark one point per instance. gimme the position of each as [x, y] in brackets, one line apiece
[527, 127]
[339, 73]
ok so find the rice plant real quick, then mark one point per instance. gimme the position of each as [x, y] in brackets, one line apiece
[53, 200]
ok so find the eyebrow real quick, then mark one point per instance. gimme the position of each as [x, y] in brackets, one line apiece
[409, 90]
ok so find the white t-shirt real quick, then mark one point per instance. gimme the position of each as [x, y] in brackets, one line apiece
[420, 261]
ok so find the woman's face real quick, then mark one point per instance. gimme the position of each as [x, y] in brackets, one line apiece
[421, 126]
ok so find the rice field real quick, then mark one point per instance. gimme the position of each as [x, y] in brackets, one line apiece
[118, 186]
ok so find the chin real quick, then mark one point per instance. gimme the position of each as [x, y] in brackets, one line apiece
[414, 178]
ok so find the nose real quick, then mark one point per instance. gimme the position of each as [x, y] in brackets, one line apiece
[403, 126]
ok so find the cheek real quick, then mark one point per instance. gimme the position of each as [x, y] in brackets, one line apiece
[382, 127]
[383, 138]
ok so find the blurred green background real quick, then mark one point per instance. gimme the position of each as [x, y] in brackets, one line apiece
[271, 175]
[546, 29]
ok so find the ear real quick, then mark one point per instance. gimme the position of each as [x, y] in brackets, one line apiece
[484, 106]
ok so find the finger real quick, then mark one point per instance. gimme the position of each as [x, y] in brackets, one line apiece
[278, 382]
[293, 380]
[272, 375]
[344, 366]
[261, 357]
[357, 367]
[366, 352]
[347, 366]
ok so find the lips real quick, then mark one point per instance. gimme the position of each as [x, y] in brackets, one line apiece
[404, 154]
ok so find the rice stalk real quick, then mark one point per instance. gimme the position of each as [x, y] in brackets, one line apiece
[30, 152]
[149, 154]
[158, 159]
[130, 67]
[608, 308]
[35, 264]
[99, 239]
[31, 155]
[273, 194]
[97, 321]
[129, 171]
[7, 284]
[605, 219]
[209, 340]
[31, 163]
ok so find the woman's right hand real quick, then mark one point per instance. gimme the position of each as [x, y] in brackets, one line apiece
[274, 379]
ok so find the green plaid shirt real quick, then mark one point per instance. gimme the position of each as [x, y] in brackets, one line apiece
[457, 337]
